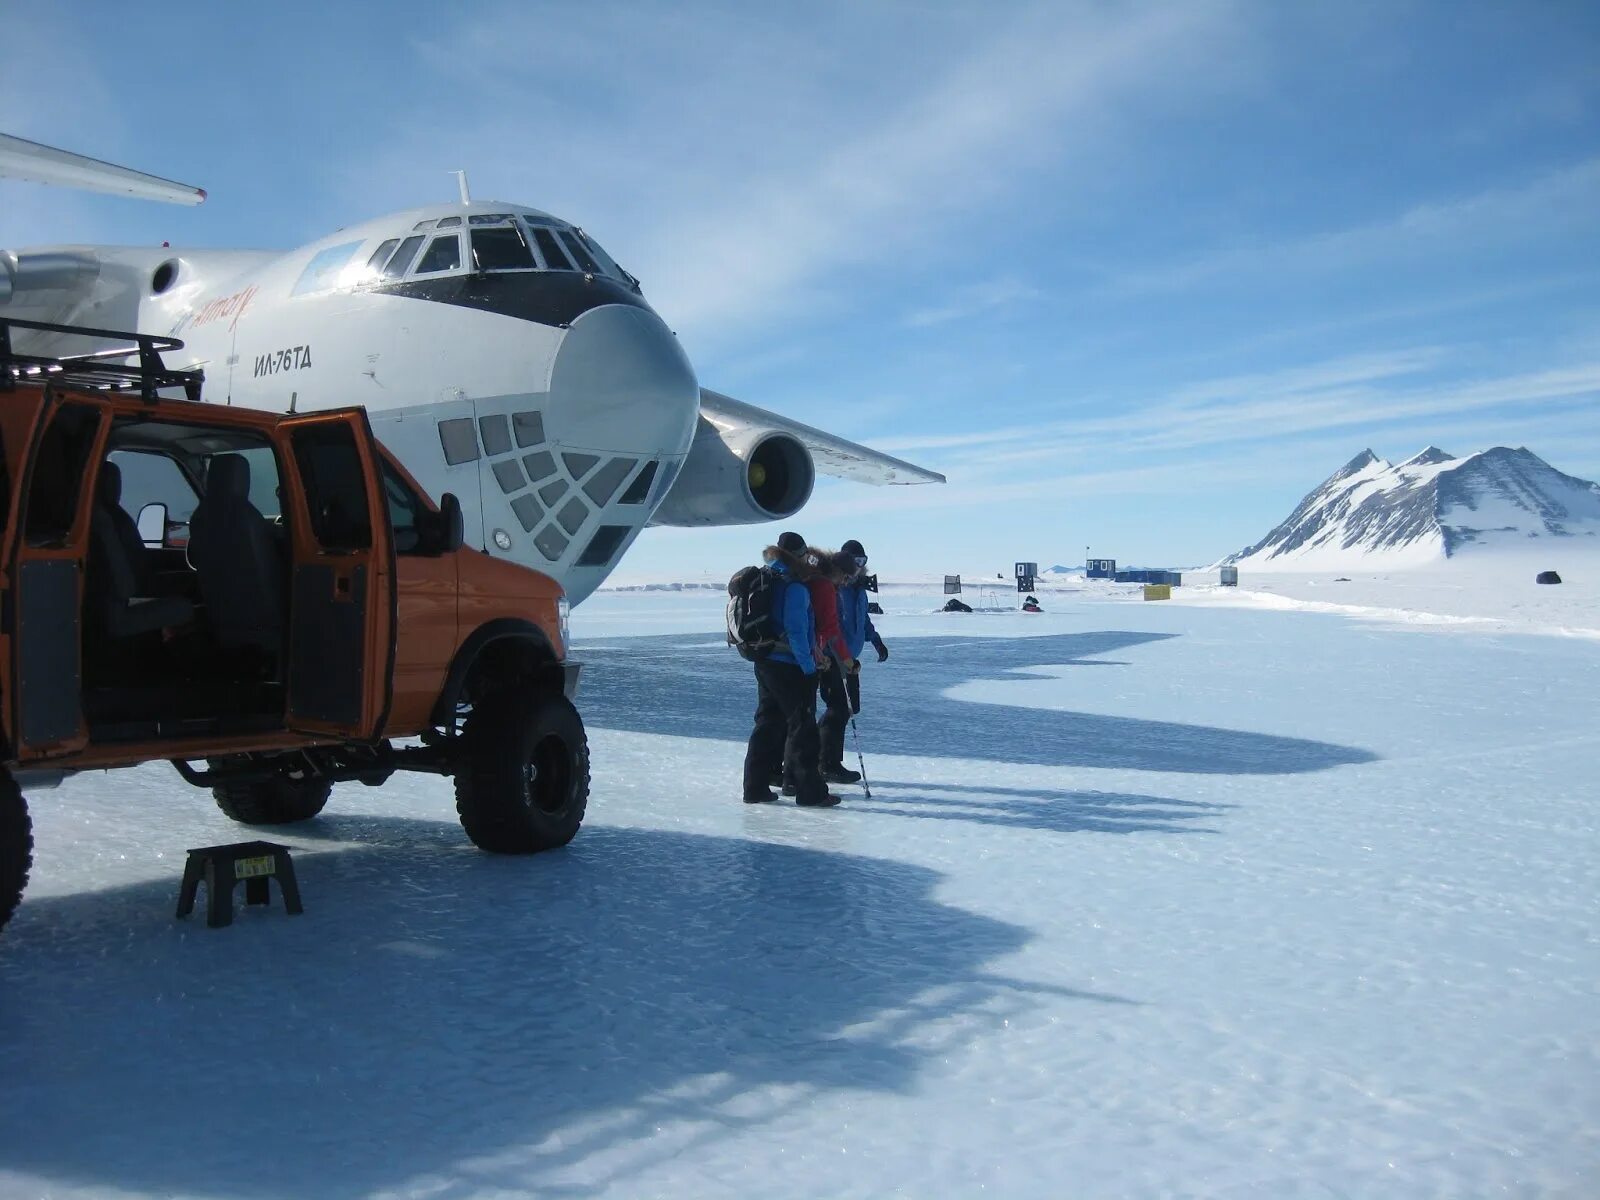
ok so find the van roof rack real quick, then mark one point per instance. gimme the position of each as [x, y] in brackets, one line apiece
[134, 365]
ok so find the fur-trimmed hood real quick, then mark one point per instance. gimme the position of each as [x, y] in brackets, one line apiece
[795, 564]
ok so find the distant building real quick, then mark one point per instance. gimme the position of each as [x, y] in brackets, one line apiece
[1101, 568]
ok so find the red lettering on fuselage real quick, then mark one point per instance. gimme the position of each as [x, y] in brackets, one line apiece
[227, 306]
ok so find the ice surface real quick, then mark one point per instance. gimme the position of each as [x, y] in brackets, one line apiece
[1151, 900]
[1496, 594]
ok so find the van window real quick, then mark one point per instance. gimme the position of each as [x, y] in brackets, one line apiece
[56, 487]
[149, 478]
[405, 506]
[336, 488]
[443, 254]
[265, 494]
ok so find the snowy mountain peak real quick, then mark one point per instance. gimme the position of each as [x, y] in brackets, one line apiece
[1355, 466]
[1429, 508]
[1426, 458]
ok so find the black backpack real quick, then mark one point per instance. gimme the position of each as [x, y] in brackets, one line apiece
[755, 626]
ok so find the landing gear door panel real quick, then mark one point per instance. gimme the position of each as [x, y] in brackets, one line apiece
[341, 594]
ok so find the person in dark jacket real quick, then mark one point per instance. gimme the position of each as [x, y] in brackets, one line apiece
[856, 623]
[786, 691]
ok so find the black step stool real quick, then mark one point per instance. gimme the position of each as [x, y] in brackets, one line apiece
[221, 867]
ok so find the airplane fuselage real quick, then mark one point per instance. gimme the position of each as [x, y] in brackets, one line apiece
[500, 354]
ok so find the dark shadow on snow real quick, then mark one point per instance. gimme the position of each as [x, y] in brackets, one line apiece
[687, 686]
[1053, 811]
[542, 1017]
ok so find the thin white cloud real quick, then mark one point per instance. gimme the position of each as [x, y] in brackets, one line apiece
[1202, 401]
[1554, 204]
[1255, 417]
[744, 167]
[977, 299]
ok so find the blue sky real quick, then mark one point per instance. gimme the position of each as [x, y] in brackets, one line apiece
[1134, 276]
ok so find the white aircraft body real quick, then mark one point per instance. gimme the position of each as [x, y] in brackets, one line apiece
[500, 353]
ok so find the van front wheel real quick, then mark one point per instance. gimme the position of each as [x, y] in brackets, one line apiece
[522, 783]
[16, 845]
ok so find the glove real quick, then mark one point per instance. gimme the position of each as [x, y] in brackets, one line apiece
[883, 651]
[855, 666]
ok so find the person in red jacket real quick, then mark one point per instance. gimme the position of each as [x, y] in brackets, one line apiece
[832, 571]
[824, 573]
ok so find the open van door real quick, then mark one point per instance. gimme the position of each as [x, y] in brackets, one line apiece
[342, 595]
[45, 562]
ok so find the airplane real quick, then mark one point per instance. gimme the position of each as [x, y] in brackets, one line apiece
[501, 354]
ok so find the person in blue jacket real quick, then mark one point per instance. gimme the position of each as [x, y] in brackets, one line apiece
[786, 690]
[858, 629]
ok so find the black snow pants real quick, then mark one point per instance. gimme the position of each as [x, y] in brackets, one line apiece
[836, 695]
[785, 730]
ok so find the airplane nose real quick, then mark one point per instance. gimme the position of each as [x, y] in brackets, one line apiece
[621, 384]
[569, 476]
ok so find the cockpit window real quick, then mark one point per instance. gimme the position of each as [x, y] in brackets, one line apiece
[495, 242]
[554, 258]
[580, 253]
[381, 256]
[323, 271]
[607, 263]
[402, 257]
[443, 254]
[500, 248]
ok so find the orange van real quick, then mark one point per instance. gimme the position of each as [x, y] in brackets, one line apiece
[293, 612]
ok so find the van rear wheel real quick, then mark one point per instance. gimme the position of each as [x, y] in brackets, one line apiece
[280, 801]
[522, 783]
[16, 845]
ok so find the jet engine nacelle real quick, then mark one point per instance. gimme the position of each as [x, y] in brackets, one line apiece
[738, 475]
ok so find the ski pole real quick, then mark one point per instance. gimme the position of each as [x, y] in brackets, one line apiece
[860, 762]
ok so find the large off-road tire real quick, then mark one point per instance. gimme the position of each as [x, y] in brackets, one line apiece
[273, 801]
[523, 779]
[16, 845]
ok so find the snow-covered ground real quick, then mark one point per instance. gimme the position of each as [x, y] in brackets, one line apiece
[1493, 594]
[1150, 900]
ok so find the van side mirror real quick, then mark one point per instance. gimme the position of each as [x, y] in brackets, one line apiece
[153, 524]
[442, 532]
[455, 533]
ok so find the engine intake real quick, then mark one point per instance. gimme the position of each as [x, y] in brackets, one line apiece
[738, 476]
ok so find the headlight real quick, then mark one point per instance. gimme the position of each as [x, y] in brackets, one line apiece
[564, 619]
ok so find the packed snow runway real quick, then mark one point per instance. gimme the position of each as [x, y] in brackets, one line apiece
[1150, 900]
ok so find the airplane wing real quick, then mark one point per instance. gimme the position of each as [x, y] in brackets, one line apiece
[832, 455]
[22, 159]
